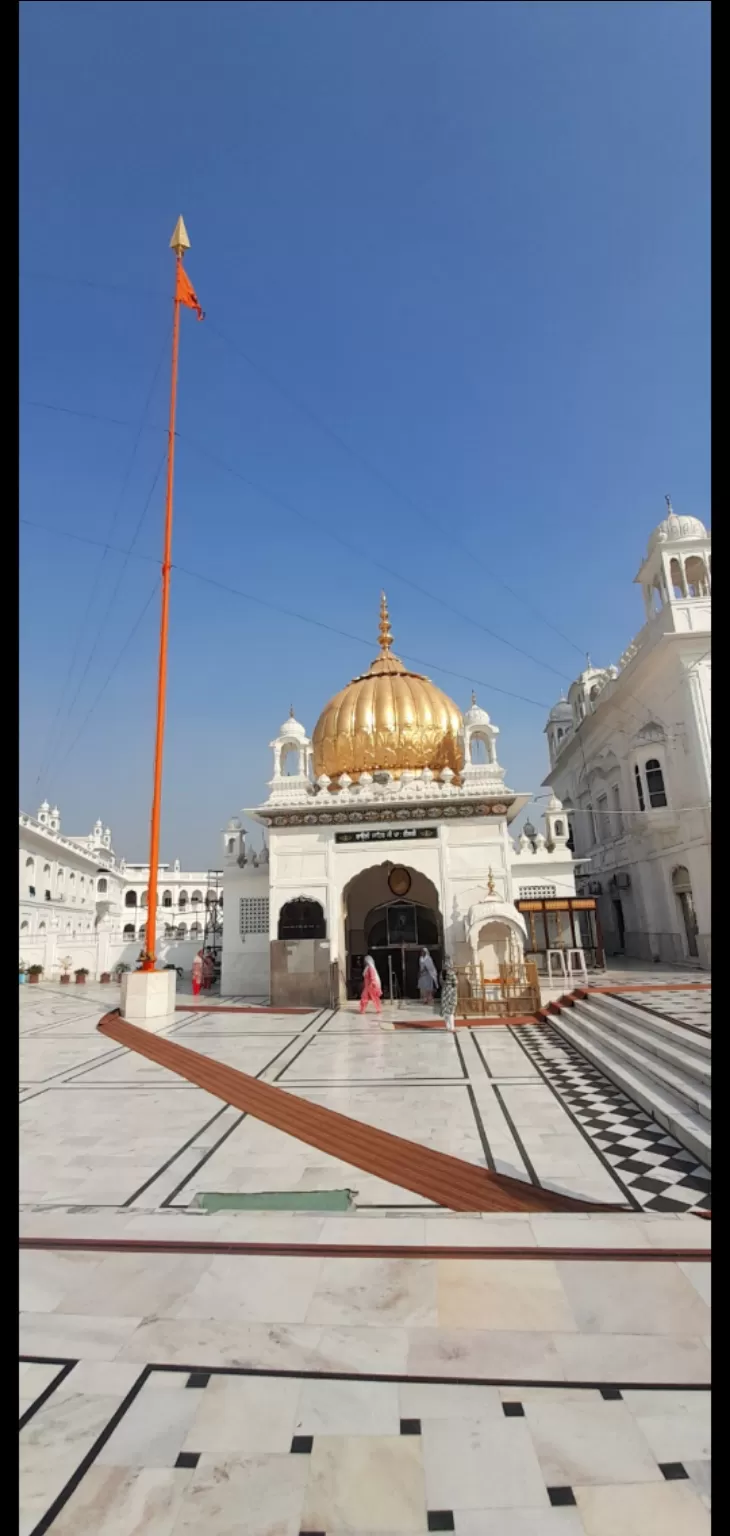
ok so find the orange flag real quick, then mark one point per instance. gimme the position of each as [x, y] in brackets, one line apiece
[186, 293]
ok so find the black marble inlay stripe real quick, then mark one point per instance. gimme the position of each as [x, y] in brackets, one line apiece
[198, 1379]
[410, 1426]
[673, 1470]
[440, 1520]
[513, 1410]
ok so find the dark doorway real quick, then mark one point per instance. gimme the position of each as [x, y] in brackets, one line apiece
[395, 934]
[301, 919]
[618, 913]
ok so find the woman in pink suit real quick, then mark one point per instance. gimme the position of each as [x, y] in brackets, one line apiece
[371, 988]
[197, 972]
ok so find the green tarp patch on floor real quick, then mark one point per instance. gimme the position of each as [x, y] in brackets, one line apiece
[279, 1200]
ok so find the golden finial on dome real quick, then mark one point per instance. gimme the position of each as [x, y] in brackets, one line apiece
[385, 635]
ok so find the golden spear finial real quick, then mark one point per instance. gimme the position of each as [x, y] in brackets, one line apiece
[180, 241]
[385, 637]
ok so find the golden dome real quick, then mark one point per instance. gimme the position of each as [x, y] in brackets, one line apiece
[389, 718]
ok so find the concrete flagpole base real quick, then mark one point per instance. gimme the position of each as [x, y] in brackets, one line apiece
[148, 998]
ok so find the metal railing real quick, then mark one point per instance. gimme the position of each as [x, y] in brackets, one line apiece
[514, 992]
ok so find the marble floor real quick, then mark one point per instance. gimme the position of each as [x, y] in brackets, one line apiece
[555, 1383]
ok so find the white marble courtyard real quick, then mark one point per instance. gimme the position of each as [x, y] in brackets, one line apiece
[193, 1391]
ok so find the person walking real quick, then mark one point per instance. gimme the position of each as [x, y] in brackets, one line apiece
[372, 991]
[197, 972]
[208, 971]
[449, 994]
[427, 977]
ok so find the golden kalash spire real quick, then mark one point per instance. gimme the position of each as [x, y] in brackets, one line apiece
[388, 718]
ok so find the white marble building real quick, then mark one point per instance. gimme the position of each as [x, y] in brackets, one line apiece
[77, 901]
[388, 829]
[630, 759]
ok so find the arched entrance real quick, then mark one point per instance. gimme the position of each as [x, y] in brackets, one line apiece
[301, 919]
[682, 887]
[392, 912]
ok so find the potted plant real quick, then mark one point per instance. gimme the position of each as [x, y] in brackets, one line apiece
[105, 976]
[81, 975]
[65, 965]
[34, 974]
[120, 969]
[21, 972]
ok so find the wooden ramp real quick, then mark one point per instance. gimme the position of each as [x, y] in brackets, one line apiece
[456, 1185]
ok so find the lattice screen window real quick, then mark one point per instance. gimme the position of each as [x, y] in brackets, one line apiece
[536, 892]
[254, 914]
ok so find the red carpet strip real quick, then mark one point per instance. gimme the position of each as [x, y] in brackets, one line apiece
[356, 1250]
[436, 1176]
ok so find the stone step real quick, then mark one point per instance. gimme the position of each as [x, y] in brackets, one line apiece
[634, 1012]
[667, 1106]
[679, 1055]
[694, 1093]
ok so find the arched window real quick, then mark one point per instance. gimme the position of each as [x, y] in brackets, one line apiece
[72, 878]
[142, 933]
[128, 931]
[696, 574]
[167, 898]
[302, 919]
[558, 829]
[68, 927]
[144, 899]
[169, 931]
[30, 865]
[101, 886]
[182, 931]
[196, 898]
[82, 882]
[130, 899]
[655, 784]
[24, 927]
[639, 787]
[41, 927]
[210, 898]
[478, 750]
[182, 900]
[46, 869]
[231, 845]
[196, 931]
[677, 578]
[682, 888]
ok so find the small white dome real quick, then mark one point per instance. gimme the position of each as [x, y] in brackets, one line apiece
[674, 529]
[291, 730]
[45, 806]
[554, 804]
[475, 715]
[561, 711]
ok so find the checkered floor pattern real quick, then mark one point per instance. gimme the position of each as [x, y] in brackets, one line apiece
[646, 1162]
[691, 1009]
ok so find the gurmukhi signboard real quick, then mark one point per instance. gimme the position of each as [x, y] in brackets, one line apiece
[389, 835]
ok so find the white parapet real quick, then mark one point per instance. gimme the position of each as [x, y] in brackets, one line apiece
[148, 998]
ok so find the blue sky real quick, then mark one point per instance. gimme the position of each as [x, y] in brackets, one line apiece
[454, 262]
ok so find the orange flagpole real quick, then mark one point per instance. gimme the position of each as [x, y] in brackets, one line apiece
[179, 244]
